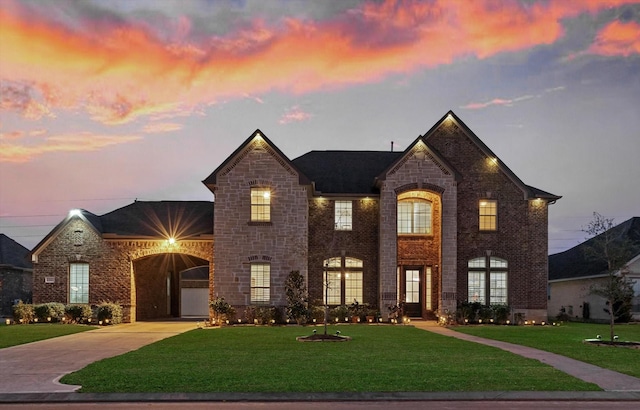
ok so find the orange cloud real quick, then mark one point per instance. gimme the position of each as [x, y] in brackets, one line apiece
[617, 39]
[294, 114]
[119, 70]
[61, 143]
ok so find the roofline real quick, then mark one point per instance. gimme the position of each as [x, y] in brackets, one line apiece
[14, 267]
[116, 237]
[210, 181]
[54, 232]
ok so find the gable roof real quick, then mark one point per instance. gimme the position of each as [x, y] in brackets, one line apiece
[574, 263]
[210, 181]
[13, 254]
[345, 172]
[528, 191]
[145, 219]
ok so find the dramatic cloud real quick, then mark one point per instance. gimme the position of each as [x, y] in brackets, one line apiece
[617, 39]
[10, 152]
[294, 114]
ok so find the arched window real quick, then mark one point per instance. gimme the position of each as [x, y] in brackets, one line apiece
[343, 280]
[414, 216]
[487, 276]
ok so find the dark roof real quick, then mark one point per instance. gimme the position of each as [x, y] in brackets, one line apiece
[574, 263]
[345, 172]
[13, 254]
[162, 218]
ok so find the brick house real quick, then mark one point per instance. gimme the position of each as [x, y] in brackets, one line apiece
[441, 222]
[15, 275]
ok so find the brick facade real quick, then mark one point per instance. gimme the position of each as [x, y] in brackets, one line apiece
[449, 167]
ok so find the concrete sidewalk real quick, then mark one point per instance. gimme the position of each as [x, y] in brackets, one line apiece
[607, 380]
[36, 367]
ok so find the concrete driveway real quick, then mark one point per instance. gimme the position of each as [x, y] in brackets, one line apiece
[37, 367]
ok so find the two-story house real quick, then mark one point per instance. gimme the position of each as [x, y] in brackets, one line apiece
[442, 222]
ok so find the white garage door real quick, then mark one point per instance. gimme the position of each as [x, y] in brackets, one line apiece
[194, 302]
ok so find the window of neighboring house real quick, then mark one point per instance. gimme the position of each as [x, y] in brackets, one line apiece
[79, 283]
[343, 281]
[260, 283]
[343, 216]
[260, 205]
[491, 271]
[488, 215]
[414, 216]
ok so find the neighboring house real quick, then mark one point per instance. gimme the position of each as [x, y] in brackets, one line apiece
[15, 274]
[572, 273]
[441, 222]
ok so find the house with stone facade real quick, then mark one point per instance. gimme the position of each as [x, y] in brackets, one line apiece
[15, 275]
[442, 222]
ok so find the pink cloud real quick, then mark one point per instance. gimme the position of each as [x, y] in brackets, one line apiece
[121, 70]
[617, 39]
[161, 127]
[10, 152]
[496, 101]
[294, 114]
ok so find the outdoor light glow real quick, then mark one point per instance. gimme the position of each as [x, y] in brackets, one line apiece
[74, 212]
[172, 241]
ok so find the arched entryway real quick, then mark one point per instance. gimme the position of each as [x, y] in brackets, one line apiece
[159, 281]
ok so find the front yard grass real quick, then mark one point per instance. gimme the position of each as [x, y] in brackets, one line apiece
[566, 340]
[269, 359]
[20, 334]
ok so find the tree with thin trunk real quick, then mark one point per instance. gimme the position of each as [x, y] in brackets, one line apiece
[609, 245]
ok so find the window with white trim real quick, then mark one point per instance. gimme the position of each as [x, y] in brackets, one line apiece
[79, 283]
[414, 216]
[343, 281]
[343, 216]
[487, 276]
[260, 205]
[488, 215]
[260, 283]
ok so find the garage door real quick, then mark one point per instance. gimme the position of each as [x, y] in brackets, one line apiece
[194, 302]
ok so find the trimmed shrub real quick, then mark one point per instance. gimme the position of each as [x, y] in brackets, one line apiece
[23, 313]
[340, 313]
[49, 312]
[109, 313]
[223, 310]
[78, 313]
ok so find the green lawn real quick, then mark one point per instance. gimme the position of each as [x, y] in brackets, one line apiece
[567, 341]
[269, 359]
[19, 334]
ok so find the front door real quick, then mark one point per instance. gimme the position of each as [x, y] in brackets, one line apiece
[413, 292]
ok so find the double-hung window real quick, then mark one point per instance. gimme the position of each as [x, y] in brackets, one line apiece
[260, 283]
[343, 281]
[414, 216]
[260, 205]
[79, 283]
[487, 276]
[343, 216]
[488, 215]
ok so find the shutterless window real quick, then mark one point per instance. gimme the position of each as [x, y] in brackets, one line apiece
[343, 280]
[414, 216]
[260, 205]
[343, 215]
[79, 283]
[260, 283]
[491, 271]
[488, 215]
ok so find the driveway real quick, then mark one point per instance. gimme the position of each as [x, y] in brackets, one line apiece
[37, 366]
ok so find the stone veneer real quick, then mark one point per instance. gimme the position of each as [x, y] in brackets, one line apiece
[282, 242]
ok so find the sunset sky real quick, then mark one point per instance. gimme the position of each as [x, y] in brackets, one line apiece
[103, 102]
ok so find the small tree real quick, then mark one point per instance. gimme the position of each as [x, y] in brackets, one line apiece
[297, 300]
[610, 246]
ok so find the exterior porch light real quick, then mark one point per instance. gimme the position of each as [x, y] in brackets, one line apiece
[172, 241]
[74, 212]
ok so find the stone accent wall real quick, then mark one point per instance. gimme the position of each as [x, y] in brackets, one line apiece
[112, 276]
[282, 242]
[521, 237]
[361, 243]
[419, 170]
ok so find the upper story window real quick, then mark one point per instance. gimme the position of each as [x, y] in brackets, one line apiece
[488, 215]
[260, 205]
[343, 216]
[79, 283]
[414, 216]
